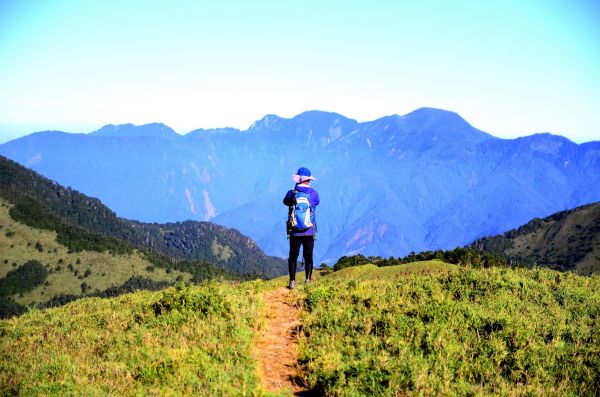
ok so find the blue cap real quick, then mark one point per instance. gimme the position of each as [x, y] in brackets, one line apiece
[303, 171]
[302, 175]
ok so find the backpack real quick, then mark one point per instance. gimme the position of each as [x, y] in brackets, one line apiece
[300, 216]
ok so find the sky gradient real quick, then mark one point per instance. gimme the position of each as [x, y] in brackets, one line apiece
[510, 68]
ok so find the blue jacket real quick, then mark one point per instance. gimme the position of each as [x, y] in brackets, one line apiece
[314, 200]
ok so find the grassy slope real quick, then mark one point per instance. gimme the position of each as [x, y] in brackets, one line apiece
[561, 236]
[453, 331]
[107, 270]
[195, 341]
[422, 328]
[567, 240]
[372, 272]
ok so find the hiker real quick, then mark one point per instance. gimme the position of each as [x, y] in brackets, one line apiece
[301, 224]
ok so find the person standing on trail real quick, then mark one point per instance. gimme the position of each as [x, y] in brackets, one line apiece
[301, 223]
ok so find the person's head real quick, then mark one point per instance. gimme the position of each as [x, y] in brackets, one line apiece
[303, 176]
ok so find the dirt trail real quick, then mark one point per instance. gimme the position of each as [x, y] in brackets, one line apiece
[277, 348]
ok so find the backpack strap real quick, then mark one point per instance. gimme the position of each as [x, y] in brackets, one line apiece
[288, 226]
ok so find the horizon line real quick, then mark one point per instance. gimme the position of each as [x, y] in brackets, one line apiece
[182, 134]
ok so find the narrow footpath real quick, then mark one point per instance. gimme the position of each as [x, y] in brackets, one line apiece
[277, 347]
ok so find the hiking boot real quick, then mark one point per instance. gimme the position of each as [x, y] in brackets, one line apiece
[292, 284]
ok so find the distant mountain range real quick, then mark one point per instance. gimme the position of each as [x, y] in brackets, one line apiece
[568, 240]
[85, 223]
[425, 180]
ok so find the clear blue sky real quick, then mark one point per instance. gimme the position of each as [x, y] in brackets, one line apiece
[510, 68]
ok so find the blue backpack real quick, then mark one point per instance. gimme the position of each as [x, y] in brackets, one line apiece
[300, 217]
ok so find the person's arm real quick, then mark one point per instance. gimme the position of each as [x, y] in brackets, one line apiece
[288, 199]
[314, 198]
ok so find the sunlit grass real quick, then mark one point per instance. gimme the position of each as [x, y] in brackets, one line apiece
[425, 328]
[372, 272]
[195, 341]
[458, 331]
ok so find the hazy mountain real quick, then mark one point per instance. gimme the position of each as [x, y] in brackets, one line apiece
[83, 222]
[567, 240]
[128, 130]
[425, 180]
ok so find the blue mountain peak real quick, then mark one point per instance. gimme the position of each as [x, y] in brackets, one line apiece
[319, 116]
[444, 123]
[211, 131]
[266, 122]
[433, 115]
[129, 130]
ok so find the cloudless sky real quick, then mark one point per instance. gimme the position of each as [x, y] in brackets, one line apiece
[510, 68]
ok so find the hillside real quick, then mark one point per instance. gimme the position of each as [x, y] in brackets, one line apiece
[42, 203]
[424, 328]
[426, 180]
[38, 271]
[568, 240]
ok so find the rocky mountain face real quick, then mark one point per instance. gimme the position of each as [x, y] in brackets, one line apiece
[425, 180]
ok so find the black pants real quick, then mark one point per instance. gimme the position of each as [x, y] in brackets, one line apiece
[308, 243]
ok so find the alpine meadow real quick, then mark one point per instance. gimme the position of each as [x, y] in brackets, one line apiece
[424, 328]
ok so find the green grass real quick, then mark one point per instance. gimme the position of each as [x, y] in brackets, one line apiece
[404, 330]
[193, 341]
[372, 272]
[424, 328]
[67, 269]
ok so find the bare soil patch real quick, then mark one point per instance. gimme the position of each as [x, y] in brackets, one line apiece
[277, 348]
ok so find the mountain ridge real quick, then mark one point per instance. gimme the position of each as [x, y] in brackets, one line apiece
[428, 181]
[160, 129]
[128, 129]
